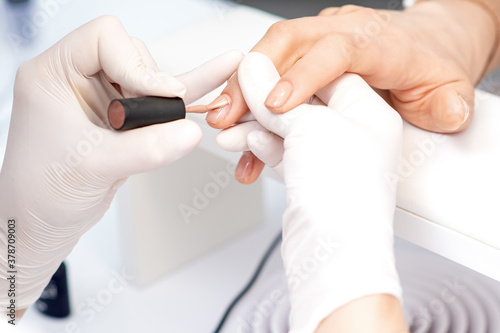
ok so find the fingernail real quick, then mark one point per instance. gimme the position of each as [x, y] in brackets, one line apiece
[457, 114]
[279, 95]
[220, 101]
[466, 108]
[244, 168]
[217, 103]
[218, 115]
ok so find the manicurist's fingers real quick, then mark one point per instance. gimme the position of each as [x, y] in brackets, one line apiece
[111, 50]
[209, 75]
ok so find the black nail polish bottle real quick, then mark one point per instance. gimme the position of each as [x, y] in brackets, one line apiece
[54, 301]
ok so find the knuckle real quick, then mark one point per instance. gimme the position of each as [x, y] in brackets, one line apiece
[281, 28]
[107, 21]
[26, 77]
[333, 40]
[362, 12]
[341, 43]
[138, 42]
[328, 11]
[367, 12]
[349, 9]
[24, 71]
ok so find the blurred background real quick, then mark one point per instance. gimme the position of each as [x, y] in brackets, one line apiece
[298, 8]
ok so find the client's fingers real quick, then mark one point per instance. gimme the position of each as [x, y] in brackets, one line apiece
[234, 139]
[248, 168]
[329, 11]
[268, 147]
[257, 76]
[330, 57]
[229, 114]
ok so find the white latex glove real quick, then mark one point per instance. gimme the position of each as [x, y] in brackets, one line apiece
[63, 163]
[336, 162]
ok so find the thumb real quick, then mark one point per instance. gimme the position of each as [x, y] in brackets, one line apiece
[104, 45]
[448, 109]
[148, 148]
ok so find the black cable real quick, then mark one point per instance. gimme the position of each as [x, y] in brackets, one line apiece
[249, 285]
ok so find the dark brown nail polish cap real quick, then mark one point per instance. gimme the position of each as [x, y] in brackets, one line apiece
[129, 113]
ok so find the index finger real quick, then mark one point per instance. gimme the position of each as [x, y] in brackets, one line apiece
[231, 113]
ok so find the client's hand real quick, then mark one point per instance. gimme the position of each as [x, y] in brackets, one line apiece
[428, 58]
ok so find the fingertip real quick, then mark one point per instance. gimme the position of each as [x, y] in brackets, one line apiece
[170, 141]
[217, 117]
[451, 111]
[329, 11]
[280, 110]
[232, 139]
[191, 136]
[228, 115]
[146, 81]
[468, 114]
[222, 139]
[248, 169]
[234, 55]
[278, 99]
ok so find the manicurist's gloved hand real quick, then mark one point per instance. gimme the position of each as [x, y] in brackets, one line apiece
[63, 163]
[336, 156]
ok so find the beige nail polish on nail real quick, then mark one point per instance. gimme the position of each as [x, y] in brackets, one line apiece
[279, 95]
[244, 168]
[219, 102]
[218, 115]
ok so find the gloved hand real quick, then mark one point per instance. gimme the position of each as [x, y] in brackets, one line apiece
[63, 163]
[336, 161]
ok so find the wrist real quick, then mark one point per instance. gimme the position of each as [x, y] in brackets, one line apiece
[470, 32]
[381, 313]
